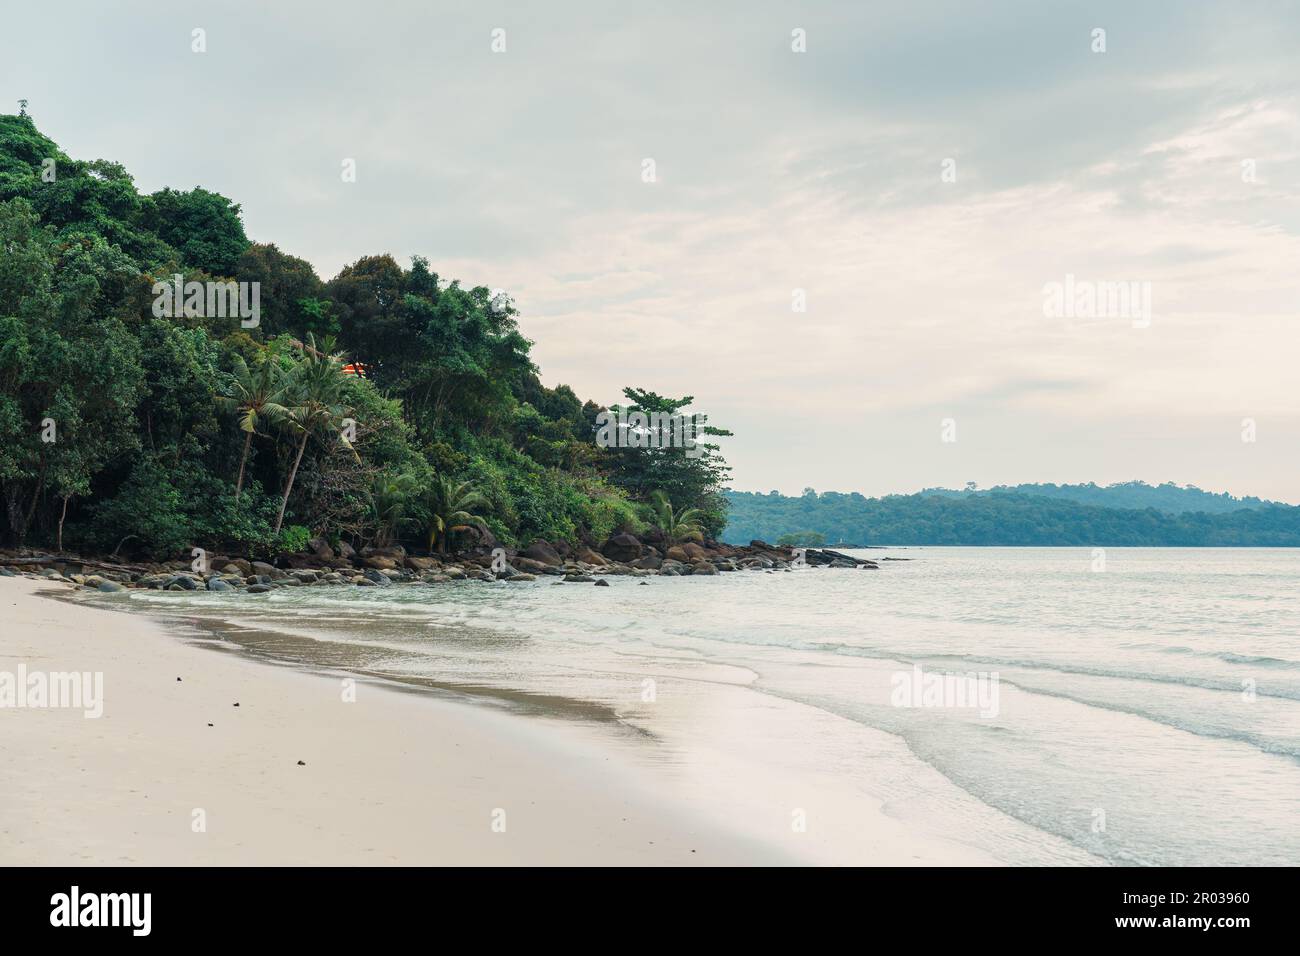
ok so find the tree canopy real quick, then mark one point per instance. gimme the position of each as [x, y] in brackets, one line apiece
[386, 404]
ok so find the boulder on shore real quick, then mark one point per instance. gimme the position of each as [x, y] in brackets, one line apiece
[622, 547]
[320, 547]
[272, 572]
[542, 551]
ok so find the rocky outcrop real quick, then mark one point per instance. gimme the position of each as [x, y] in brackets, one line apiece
[623, 555]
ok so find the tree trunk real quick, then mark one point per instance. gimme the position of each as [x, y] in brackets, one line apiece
[63, 514]
[239, 483]
[14, 509]
[36, 497]
[288, 485]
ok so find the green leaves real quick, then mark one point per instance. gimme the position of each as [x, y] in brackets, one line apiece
[676, 527]
[184, 422]
[450, 507]
[204, 227]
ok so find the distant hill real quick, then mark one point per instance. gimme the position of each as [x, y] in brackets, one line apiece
[1168, 497]
[1051, 516]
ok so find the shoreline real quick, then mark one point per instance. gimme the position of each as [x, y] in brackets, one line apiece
[411, 773]
[394, 778]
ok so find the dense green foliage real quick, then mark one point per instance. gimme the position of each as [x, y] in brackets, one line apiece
[385, 405]
[1138, 495]
[802, 539]
[1000, 518]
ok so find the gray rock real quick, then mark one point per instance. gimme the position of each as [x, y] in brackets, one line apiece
[272, 572]
[574, 577]
[109, 587]
[602, 583]
[259, 588]
[216, 584]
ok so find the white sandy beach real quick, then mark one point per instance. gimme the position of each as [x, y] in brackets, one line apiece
[392, 778]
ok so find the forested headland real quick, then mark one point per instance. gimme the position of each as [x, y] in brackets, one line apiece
[1129, 514]
[385, 405]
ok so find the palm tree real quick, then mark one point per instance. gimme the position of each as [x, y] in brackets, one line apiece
[676, 527]
[314, 403]
[393, 498]
[451, 508]
[255, 394]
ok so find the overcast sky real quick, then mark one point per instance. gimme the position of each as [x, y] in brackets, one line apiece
[775, 171]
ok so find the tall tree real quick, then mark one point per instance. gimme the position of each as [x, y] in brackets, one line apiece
[314, 405]
[204, 227]
[254, 394]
